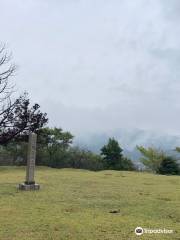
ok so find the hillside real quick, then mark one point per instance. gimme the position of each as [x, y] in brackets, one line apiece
[83, 205]
[129, 139]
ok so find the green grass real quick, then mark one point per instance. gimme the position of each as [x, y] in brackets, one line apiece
[76, 205]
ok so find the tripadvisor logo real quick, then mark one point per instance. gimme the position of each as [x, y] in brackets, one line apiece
[139, 231]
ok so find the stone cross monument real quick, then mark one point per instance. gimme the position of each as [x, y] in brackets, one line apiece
[29, 183]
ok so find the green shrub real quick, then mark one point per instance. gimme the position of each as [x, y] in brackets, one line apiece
[127, 164]
[73, 157]
[84, 159]
[169, 166]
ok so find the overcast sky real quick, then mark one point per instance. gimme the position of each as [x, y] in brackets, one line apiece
[96, 65]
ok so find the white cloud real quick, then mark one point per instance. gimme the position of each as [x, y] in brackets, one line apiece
[98, 64]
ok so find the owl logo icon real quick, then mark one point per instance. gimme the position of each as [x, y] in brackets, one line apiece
[139, 231]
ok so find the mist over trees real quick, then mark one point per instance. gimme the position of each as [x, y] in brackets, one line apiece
[18, 117]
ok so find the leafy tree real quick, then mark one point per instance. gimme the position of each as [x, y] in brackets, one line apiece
[18, 150]
[152, 157]
[84, 159]
[17, 117]
[169, 166]
[112, 154]
[177, 149]
[53, 140]
[127, 164]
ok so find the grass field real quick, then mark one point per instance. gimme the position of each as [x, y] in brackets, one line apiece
[78, 205]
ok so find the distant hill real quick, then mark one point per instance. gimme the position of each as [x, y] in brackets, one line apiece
[128, 140]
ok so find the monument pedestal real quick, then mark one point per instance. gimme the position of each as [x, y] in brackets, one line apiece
[28, 187]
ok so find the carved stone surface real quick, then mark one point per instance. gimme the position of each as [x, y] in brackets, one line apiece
[29, 183]
[31, 158]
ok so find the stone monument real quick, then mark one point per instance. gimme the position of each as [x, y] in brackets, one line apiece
[29, 183]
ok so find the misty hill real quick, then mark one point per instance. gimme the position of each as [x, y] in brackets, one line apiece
[128, 140]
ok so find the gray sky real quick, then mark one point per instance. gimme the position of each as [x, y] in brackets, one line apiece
[98, 65]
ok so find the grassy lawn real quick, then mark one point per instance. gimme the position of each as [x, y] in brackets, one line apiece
[77, 205]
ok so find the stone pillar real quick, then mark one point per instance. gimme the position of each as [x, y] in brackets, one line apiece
[31, 158]
[29, 183]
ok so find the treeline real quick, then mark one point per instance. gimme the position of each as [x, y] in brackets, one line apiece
[54, 149]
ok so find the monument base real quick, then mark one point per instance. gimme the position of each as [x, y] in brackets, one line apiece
[28, 187]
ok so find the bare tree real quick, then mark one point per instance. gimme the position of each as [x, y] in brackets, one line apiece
[7, 69]
[17, 117]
